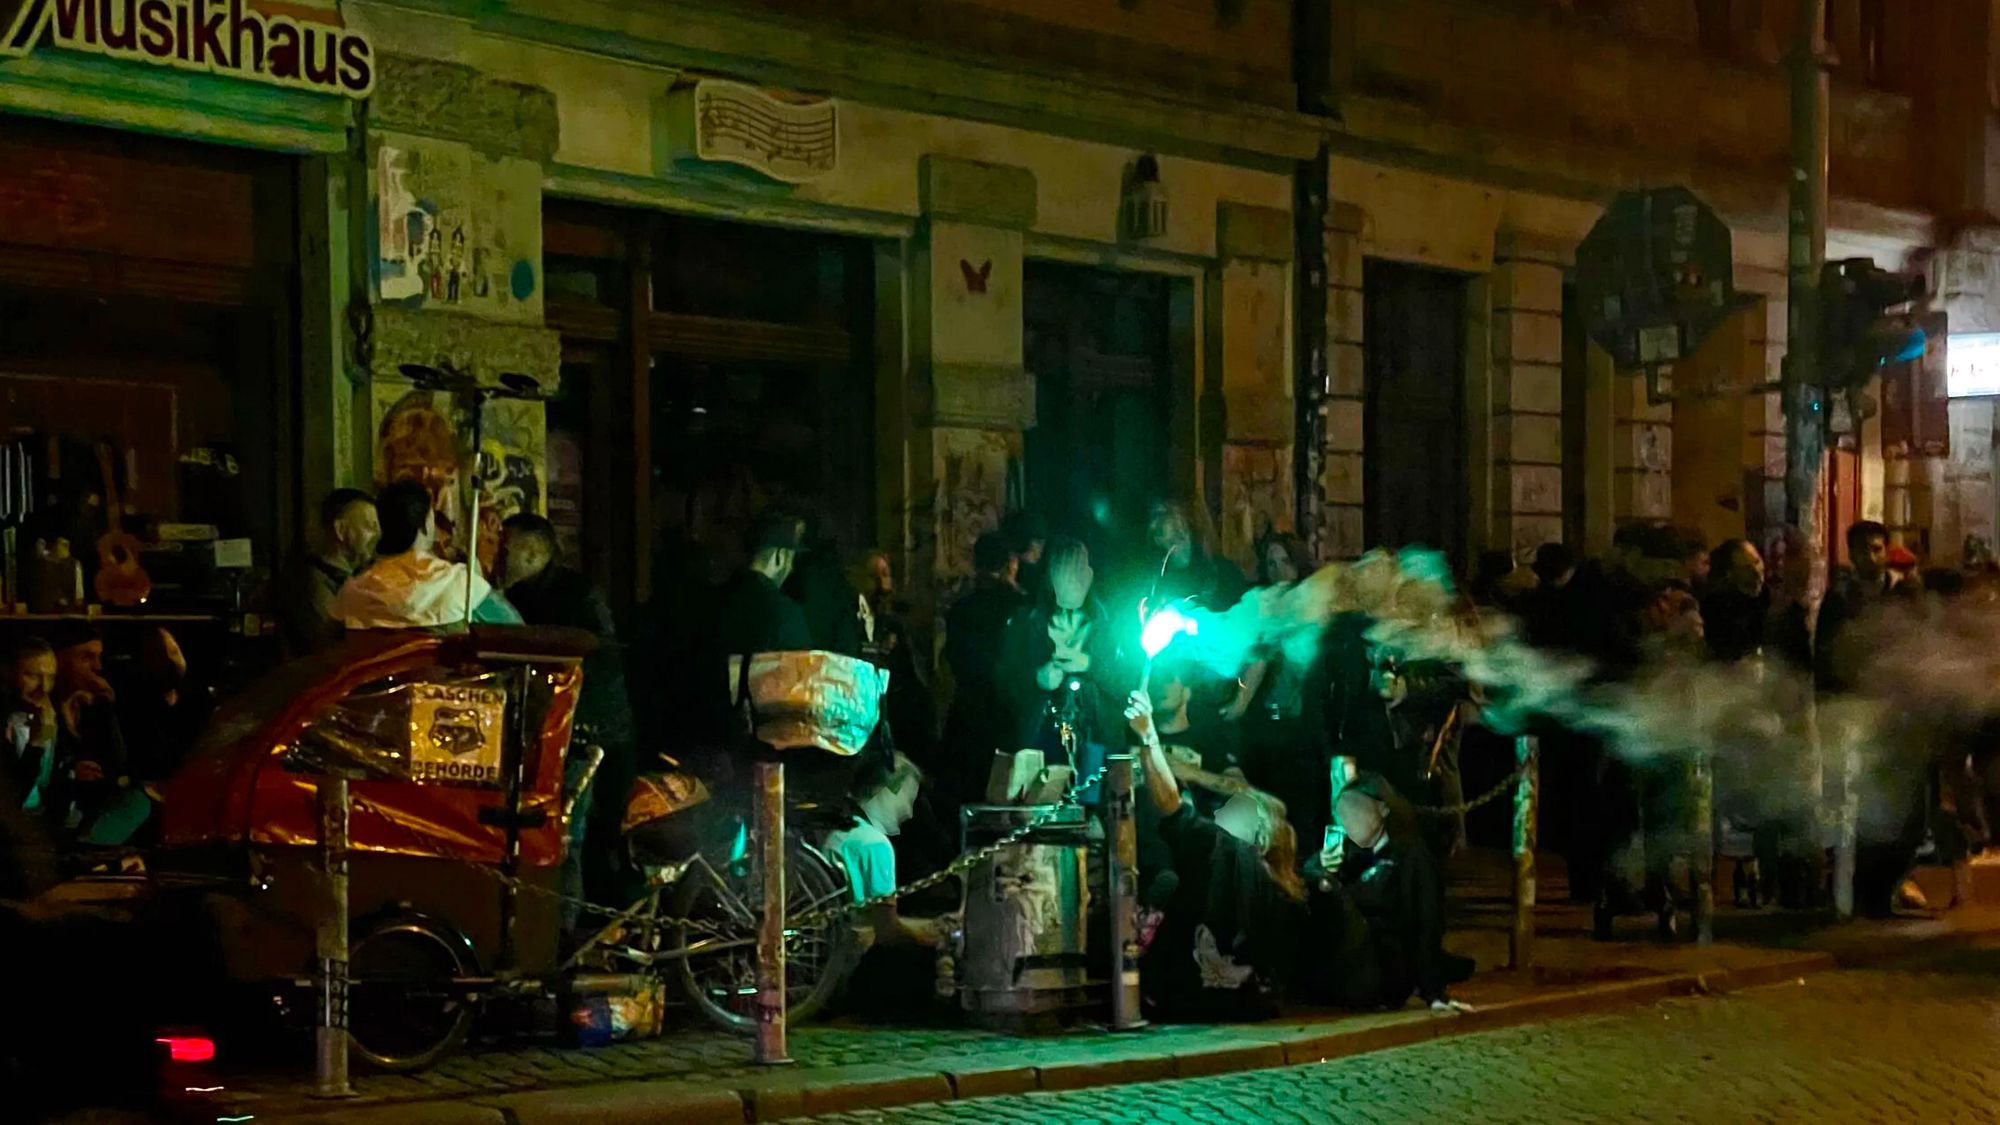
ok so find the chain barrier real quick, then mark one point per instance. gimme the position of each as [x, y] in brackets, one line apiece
[959, 866]
[812, 920]
[1506, 784]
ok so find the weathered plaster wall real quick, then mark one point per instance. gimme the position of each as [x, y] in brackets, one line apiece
[607, 111]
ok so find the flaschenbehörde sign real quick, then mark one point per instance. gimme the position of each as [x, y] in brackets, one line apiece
[227, 37]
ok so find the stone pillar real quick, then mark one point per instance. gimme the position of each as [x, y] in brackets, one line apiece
[1642, 454]
[1526, 490]
[1966, 278]
[972, 396]
[1341, 474]
[454, 264]
[1250, 352]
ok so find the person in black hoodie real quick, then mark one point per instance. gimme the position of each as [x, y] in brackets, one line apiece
[1389, 876]
[975, 633]
[1735, 605]
[1062, 665]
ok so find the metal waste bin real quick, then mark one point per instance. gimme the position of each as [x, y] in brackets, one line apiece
[1025, 939]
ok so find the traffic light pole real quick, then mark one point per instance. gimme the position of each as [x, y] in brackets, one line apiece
[1804, 377]
[1805, 415]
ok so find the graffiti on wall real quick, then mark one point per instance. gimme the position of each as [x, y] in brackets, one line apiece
[424, 436]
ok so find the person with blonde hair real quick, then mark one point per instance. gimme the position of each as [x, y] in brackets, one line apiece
[1225, 946]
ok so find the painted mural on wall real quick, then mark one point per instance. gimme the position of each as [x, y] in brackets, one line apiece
[424, 436]
[456, 230]
[973, 469]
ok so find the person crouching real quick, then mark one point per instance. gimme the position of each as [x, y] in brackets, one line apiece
[1224, 948]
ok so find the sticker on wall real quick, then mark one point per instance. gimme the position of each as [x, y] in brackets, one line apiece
[456, 230]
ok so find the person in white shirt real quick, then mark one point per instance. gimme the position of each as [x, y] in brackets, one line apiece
[409, 587]
[888, 799]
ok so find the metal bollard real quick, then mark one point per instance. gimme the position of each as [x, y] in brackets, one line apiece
[770, 832]
[330, 1037]
[1122, 835]
[1847, 825]
[1701, 857]
[1527, 800]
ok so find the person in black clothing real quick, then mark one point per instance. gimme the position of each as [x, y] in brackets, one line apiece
[1392, 881]
[819, 583]
[1184, 563]
[1543, 611]
[975, 632]
[1735, 606]
[751, 613]
[1284, 751]
[1863, 586]
[549, 593]
[156, 696]
[1604, 609]
[1061, 664]
[1027, 539]
[1227, 944]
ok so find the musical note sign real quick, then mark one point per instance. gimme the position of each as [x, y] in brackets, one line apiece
[728, 122]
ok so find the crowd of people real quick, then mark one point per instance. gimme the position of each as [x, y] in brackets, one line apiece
[1285, 850]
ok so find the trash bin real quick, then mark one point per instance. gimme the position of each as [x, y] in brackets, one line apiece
[1025, 951]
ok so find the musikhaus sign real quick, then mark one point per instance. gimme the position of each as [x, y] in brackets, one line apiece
[227, 37]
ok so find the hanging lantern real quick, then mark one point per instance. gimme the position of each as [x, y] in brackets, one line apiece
[1143, 209]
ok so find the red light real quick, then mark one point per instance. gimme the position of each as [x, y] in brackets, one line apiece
[188, 1048]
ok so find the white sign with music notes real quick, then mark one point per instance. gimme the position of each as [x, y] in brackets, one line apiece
[791, 140]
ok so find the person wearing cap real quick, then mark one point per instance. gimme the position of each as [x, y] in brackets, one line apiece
[753, 614]
[409, 587]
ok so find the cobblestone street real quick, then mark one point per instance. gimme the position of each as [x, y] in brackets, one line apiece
[1913, 1043]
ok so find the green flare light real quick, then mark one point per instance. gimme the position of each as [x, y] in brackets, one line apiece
[1163, 628]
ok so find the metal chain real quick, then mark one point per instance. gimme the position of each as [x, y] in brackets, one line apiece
[957, 867]
[1506, 783]
[814, 920]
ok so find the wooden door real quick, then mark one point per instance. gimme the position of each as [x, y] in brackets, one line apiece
[1414, 412]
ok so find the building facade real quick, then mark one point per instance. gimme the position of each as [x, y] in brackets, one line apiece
[892, 262]
[913, 265]
[1480, 141]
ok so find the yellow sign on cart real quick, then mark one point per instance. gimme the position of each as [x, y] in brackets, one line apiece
[456, 733]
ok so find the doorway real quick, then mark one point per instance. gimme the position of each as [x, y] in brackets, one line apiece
[1097, 342]
[1413, 415]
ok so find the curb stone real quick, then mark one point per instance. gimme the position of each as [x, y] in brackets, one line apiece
[880, 1087]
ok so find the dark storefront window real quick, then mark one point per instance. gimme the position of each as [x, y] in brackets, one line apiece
[711, 370]
[147, 366]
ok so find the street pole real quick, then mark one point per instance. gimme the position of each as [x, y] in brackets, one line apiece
[770, 813]
[1122, 847]
[1804, 406]
[1521, 941]
[330, 1037]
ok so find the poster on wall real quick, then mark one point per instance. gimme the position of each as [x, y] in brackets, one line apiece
[455, 230]
[424, 436]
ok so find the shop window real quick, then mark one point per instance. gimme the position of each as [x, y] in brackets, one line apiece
[1098, 345]
[719, 368]
[145, 352]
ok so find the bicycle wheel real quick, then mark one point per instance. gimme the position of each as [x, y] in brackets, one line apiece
[723, 910]
[405, 1009]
